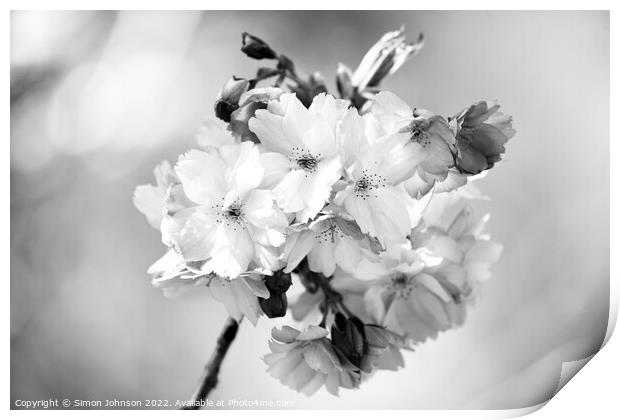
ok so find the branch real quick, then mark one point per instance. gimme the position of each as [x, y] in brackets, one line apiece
[212, 369]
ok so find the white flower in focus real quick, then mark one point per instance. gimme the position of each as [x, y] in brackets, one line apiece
[232, 223]
[372, 195]
[305, 150]
[305, 361]
[213, 135]
[429, 136]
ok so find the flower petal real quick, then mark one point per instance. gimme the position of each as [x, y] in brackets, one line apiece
[257, 286]
[268, 128]
[313, 332]
[285, 334]
[202, 175]
[149, 200]
[297, 247]
[288, 192]
[276, 166]
[373, 300]
[213, 134]
[191, 232]
[247, 172]
[232, 252]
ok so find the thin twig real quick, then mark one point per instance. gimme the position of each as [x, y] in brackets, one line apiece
[209, 378]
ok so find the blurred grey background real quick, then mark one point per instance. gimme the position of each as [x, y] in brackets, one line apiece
[99, 98]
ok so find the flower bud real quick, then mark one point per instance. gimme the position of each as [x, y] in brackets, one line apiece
[384, 58]
[276, 304]
[279, 282]
[343, 81]
[265, 72]
[307, 89]
[256, 48]
[286, 64]
[348, 337]
[381, 60]
[250, 101]
[228, 98]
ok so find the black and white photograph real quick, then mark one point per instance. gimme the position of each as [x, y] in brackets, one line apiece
[307, 209]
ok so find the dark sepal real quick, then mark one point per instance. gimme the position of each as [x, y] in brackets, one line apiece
[276, 304]
[256, 48]
[348, 336]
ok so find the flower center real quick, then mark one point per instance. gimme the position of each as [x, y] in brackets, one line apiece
[401, 285]
[233, 212]
[231, 215]
[304, 159]
[307, 162]
[328, 235]
[418, 132]
[368, 182]
[362, 185]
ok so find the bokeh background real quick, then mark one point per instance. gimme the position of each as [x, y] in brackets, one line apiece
[99, 98]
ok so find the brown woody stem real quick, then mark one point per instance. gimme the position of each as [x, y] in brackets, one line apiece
[212, 369]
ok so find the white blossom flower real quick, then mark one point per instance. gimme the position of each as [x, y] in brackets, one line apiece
[374, 172]
[429, 135]
[176, 276]
[419, 300]
[328, 241]
[411, 304]
[233, 222]
[305, 150]
[305, 361]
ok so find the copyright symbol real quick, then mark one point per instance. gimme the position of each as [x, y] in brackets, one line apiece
[66, 402]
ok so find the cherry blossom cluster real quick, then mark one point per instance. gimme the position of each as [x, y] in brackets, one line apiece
[356, 207]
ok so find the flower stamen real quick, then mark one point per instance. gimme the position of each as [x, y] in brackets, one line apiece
[401, 285]
[367, 183]
[304, 159]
